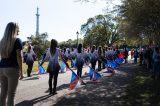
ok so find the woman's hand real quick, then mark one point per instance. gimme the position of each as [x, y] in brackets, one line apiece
[20, 75]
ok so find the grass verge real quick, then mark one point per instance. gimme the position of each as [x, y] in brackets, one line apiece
[142, 89]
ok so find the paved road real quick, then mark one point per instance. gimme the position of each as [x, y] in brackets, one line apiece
[108, 91]
[32, 91]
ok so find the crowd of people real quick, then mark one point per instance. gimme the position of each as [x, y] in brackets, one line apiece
[148, 56]
[11, 61]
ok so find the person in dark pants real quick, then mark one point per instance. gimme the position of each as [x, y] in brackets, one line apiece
[53, 74]
[53, 66]
[30, 57]
[104, 60]
[156, 63]
[29, 69]
[125, 55]
[141, 57]
[136, 54]
[100, 58]
[79, 60]
[93, 57]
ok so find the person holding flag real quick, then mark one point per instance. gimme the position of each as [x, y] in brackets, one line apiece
[53, 65]
[100, 56]
[79, 60]
[93, 57]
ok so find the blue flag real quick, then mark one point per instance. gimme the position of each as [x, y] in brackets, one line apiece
[94, 76]
[74, 81]
[63, 67]
[119, 60]
[74, 63]
[41, 70]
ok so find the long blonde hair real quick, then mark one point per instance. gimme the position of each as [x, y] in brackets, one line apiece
[8, 40]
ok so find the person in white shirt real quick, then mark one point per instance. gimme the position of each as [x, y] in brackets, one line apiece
[93, 57]
[79, 60]
[53, 66]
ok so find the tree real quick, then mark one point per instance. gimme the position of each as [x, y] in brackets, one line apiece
[40, 43]
[100, 30]
[142, 17]
[69, 43]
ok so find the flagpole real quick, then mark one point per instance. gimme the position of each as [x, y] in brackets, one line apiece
[68, 66]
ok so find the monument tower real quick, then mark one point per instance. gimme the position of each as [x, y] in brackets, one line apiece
[37, 22]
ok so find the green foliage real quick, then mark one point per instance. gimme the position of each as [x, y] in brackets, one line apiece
[35, 67]
[40, 43]
[68, 44]
[100, 30]
[142, 18]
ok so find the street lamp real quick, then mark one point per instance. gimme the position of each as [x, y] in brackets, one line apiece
[29, 39]
[77, 37]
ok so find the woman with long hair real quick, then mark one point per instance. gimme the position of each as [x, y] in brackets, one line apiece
[10, 64]
[79, 60]
[53, 65]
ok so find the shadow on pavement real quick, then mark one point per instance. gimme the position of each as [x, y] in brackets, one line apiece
[109, 91]
[34, 101]
[42, 98]
[30, 78]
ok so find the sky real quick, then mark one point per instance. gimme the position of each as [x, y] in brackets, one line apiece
[61, 19]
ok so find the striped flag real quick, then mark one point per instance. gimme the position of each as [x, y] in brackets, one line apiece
[74, 81]
[94, 76]
[63, 67]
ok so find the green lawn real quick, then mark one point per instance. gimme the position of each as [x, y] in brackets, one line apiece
[35, 66]
[143, 90]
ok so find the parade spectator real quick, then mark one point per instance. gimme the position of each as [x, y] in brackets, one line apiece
[141, 56]
[132, 53]
[135, 56]
[10, 64]
[125, 53]
[156, 63]
[147, 57]
[117, 51]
